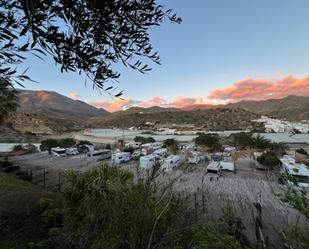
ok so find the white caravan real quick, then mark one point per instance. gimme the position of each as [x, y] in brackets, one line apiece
[298, 171]
[72, 151]
[171, 162]
[100, 154]
[134, 145]
[227, 164]
[58, 151]
[160, 152]
[121, 157]
[194, 158]
[214, 167]
[147, 162]
[153, 146]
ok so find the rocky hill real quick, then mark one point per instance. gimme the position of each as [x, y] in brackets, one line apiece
[211, 119]
[55, 105]
[48, 112]
[293, 108]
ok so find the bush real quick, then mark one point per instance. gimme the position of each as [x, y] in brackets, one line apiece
[210, 141]
[17, 147]
[84, 142]
[170, 142]
[242, 140]
[302, 151]
[112, 210]
[226, 233]
[48, 144]
[66, 142]
[269, 159]
[144, 140]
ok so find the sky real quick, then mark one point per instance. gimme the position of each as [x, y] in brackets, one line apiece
[223, 51]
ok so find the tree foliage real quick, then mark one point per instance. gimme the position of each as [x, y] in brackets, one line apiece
[269, 159]
[144, 140]
[87, 37]
[48, 144]
[210, 141]
[302, 151]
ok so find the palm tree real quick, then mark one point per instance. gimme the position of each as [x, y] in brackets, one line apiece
[8, 100]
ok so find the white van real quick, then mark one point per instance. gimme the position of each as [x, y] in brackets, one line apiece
[121, 157]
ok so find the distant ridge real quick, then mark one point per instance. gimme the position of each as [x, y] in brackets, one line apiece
[53, 104]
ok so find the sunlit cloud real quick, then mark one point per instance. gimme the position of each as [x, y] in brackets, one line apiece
[247, 89]
[178, 102]
[74, 96]
[113, 105]
[262, 89]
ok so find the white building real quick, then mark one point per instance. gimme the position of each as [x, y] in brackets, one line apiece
[281, 126]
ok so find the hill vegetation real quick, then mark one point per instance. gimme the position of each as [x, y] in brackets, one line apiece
[211, 119]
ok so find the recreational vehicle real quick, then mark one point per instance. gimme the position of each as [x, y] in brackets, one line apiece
[134, 145]
[153, 146]
[147, 162]
[171, 162]
[214, 167]
[194, 158]
[187, 147]
[58, 151]
[298, 171]
[160, 152]
[100, 154]
[121, 157]
[217, 156]
[227, 164]
[72, 151]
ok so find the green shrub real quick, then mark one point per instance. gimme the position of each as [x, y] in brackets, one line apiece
[112, 210]
[144, 140]
[269, 159]
[302, 151]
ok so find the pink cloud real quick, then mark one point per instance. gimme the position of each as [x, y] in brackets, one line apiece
[177, 102]
[74, 96]
[261, 89]
[113, 105]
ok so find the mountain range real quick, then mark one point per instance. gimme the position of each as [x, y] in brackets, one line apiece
[49, 112]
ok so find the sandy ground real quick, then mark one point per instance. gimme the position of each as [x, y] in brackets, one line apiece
[240, 190]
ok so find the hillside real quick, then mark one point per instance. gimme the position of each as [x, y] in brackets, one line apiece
[55, 105]
[292, 108]
[211, 119]
[47, 112]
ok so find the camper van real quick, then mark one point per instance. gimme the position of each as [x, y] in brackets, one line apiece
[160, 152]
[217, 156]
[171, 162]
[121, 157]
[214, 167]
[227, 164]
[134, 145]
[147, 162]
[72, 151]
[100, 154]
[299, 171]
[58, 151]
[194, 158]
[153, 146]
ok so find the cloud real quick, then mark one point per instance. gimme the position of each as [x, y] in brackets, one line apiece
[74, 96]
[177, 102]
[246, 89]
[113, 105]
[262, 89]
